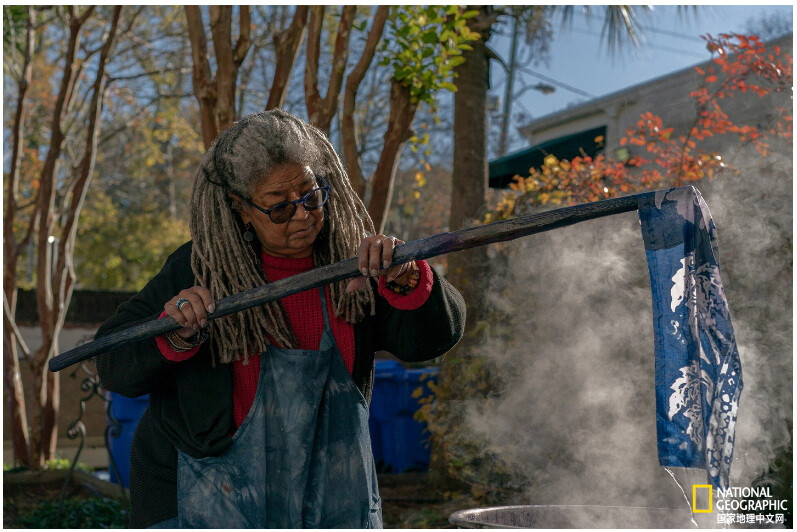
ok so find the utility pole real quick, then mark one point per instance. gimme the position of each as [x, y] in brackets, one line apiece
[510, 85]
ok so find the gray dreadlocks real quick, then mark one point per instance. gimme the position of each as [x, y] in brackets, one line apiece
[225, 264]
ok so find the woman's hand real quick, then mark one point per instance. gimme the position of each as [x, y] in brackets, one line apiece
[374, 258]
[191, 315]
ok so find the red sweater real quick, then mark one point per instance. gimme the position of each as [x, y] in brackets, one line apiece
[306, 322]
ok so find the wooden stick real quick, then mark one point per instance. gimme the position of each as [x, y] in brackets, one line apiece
[416, 250]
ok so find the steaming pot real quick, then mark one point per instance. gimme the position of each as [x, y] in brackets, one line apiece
[572, 516]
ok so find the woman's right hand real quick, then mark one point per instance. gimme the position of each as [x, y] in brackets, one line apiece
[191, 315]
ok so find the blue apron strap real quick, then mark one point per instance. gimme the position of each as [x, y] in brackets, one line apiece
[324, 311]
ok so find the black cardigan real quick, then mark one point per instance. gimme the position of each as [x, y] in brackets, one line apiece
[190, 404]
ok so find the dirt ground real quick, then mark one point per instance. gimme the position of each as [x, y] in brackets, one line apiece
[409, 501]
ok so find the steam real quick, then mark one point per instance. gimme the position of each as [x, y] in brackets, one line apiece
[574, 422]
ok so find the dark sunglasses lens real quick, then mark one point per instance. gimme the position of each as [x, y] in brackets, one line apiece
[315, 199]
[282, 213]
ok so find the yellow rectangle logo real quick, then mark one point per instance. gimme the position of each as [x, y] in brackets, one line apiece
[710, 489]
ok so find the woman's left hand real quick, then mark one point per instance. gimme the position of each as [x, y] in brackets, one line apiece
[374, 258]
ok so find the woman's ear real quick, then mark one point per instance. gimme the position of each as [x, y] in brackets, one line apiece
[241, 208]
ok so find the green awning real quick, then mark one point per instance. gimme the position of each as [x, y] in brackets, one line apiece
[502, 170]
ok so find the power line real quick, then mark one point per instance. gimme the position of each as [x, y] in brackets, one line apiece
[654, 29]
[648, 45]
[672, 33]
[557, 83]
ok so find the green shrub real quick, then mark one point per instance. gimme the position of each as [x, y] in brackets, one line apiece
[52, 464]
[78, 512]
[66, 463]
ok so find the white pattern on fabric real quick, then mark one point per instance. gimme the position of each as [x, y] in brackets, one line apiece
[698, 370]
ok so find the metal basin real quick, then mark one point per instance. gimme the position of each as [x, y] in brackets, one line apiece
[572, 516]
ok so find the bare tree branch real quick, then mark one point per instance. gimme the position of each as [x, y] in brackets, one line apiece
[9, 240]
[402, 111]
[108, 136]
[131, 21]
[287, 44]
[12, 383]
[204, 84]
[183, 70]
[321, 111]
[312, 97]
[355, 78]
[221, 31]
[45, 388]
[85, 16]
[11, 323]
[242, 46]
[227, 60]
[339, 59]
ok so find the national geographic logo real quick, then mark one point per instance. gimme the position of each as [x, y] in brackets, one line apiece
[739, 505]
[702, 496]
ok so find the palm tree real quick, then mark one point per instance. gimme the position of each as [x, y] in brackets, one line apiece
[467, 270]
[470, 176]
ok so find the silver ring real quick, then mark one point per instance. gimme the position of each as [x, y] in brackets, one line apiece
[180, 302]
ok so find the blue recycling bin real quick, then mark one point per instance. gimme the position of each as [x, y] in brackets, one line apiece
[398, 441]
[127, 411]
[382, 408]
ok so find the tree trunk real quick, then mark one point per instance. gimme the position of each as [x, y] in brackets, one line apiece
[226, 71]
[312, 56]
[216, 94]
[228, 59]
[55, 275]
[50, 408]
[12, 381]
[204, 85]
[398, 127]
[466, 270]
[321, 110]
[39, 401]
[287, 44]
[45, 212]
[172, 184]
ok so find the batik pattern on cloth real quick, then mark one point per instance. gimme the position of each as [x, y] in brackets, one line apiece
[698, 372]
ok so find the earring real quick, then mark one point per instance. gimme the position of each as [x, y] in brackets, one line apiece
[248, 234]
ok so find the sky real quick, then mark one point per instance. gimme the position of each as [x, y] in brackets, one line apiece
[671, 43]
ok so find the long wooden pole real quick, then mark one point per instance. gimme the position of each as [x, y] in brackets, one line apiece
[416, 250]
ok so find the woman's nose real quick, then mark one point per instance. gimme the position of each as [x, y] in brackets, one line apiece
[301, 213]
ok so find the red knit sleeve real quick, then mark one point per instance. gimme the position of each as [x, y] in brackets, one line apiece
[169, 353]
[417, 297]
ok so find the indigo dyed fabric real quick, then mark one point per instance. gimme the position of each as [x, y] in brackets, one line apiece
[300, 459]
[698, 371]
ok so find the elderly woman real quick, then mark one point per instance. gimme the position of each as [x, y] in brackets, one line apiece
[260, 419]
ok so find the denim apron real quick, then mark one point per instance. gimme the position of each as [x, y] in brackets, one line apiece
[301, 458]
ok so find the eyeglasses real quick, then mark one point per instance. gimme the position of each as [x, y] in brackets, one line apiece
[282, 212]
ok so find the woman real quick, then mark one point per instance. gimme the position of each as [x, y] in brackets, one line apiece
[259, 419]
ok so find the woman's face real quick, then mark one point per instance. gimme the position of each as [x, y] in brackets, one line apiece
[294, 238]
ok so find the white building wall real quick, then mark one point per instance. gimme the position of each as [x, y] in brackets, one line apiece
[668, 97]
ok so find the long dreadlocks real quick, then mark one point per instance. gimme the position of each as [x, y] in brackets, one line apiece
[225, 264]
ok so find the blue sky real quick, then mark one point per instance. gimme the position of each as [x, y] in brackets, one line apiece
[672, 43]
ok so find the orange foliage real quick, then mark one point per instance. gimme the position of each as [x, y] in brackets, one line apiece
[745, 67]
